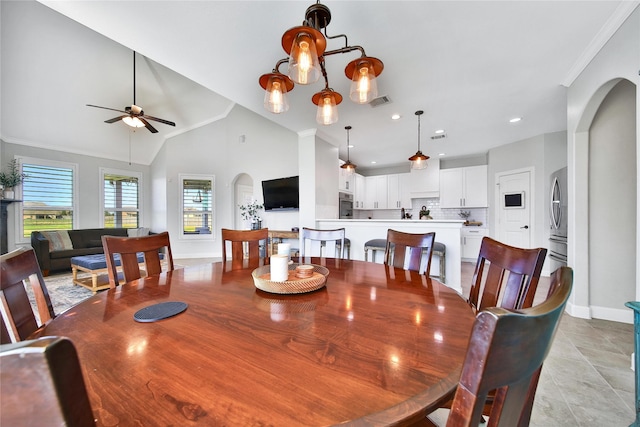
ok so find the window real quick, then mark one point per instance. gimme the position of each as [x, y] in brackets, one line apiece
[120, 198]
[48, 194]
[197, 205]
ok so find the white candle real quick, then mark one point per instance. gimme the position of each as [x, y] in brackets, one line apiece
[279, 268]
[284, 249]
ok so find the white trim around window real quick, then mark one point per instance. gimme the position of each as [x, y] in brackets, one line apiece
[119, 172]
[196, 193]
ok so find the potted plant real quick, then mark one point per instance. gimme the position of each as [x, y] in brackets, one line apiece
[10, 178]
[249, 213]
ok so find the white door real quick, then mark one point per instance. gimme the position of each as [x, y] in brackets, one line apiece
[244, 196]
[514, 222]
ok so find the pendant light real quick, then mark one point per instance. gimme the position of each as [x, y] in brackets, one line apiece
[418, 160]
[349, 167]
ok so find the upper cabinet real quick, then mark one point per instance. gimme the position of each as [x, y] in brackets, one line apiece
[376, 192]
[425, 183]
[359, 192]
[464, 187]
[398, 191]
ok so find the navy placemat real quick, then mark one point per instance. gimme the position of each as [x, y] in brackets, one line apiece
[159, 311]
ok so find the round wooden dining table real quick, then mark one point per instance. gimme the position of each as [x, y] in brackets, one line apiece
[375, 346]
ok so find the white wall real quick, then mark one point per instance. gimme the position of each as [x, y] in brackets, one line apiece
[618, 59]
[544, 154]
[267, 151]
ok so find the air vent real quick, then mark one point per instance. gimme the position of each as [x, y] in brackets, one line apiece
[441, 136]
[381, 100]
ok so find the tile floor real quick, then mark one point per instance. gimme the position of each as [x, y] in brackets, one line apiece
[586, 380]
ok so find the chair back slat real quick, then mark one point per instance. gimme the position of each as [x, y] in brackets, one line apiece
[506, 351]
[322, 243]
[16, 269]
[505, 276]
[246, 247]
[409, 251]
[128, 249]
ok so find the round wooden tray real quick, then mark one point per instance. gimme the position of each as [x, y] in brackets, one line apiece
[293, 285]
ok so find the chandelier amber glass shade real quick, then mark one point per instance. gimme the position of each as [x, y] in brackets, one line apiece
[304, 65]
[418, 160]
[276, 86]
[327, 102]
[363, 73]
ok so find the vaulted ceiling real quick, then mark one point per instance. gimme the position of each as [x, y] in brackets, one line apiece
[471, 66]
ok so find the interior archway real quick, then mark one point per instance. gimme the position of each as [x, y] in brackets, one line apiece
[242, 194]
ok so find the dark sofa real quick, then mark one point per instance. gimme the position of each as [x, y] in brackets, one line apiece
[85, 242]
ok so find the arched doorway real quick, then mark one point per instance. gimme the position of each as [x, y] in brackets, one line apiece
[242, 194]
[605, 179]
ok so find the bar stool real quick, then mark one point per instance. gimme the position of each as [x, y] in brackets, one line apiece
[374, 245]
[440, 249]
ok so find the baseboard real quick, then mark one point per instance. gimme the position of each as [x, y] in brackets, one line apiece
[579, 311]
[613, 314]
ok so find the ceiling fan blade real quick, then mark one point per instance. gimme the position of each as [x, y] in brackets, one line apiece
[148, 125]
[107, 108]
[166, 122]
[115, 119]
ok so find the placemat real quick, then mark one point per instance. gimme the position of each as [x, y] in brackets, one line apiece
[159, 311]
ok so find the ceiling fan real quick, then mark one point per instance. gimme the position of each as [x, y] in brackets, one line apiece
[133, 114]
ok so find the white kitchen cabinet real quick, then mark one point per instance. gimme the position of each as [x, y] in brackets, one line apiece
[398, 191]
[464, 187]
[345, 181]
[471, 241]
[425, 183]
[359, 192]
[376, 192]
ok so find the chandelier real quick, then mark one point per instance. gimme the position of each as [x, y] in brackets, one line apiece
[306, 47]
[418, 160]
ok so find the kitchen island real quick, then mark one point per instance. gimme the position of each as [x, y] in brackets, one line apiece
[359, 231]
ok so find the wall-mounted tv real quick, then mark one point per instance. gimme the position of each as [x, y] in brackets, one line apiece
[281, 193]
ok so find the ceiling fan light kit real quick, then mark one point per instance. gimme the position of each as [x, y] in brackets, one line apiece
[133, 115]
[418, 160]
[306, 46]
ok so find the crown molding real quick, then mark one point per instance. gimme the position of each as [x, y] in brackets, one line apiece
[615, 21]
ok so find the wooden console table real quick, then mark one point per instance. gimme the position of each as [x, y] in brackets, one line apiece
[276, 236]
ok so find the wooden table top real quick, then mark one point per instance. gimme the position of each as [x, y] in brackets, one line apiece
[376, 345]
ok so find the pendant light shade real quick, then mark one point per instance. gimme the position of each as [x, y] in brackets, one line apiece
[363, 72]
[276, 86]
[304, 45]
[418, 160]
[327, 102]
[349, 167]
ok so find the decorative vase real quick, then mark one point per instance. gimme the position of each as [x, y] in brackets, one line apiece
[9, 194]
[256, 225]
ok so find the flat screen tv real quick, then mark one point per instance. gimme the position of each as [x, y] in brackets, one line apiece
[281, 193]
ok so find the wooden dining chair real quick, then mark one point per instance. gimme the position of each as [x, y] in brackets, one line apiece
[409, 251]
[506, 351]
[253, 243]
[505, 276]
[17, 268]
[322, 243]
[42, 384]
[129, 250]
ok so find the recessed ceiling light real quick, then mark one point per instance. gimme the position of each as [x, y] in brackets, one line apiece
[350, 145]
[440, 131]
[442, 154]
[373, 162]
[395, 117]
[515, 120]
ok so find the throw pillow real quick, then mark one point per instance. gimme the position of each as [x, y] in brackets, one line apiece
[138, 232]
[59, 240]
